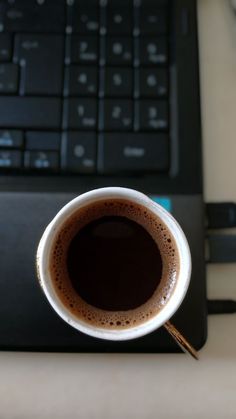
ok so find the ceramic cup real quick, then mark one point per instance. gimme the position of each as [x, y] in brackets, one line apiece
[177, 293]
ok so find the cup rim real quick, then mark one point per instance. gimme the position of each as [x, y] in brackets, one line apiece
[179, 291]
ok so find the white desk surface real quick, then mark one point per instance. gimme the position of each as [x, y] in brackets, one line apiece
[154, 386]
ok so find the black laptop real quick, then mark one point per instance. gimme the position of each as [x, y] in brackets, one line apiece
[92, 94]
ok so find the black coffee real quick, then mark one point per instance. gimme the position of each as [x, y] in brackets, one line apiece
[114, 263]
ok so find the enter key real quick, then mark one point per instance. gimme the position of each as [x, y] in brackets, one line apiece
[134, 152]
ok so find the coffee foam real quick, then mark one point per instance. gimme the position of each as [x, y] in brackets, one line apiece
[114, 319]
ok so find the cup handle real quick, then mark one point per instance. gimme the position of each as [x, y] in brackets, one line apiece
[180, 339]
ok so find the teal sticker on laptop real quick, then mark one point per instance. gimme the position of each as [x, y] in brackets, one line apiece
[163, 201]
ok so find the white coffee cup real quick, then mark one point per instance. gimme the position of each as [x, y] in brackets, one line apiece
[177, 294]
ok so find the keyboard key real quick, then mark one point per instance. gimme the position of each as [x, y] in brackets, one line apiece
[119, 51]
[84, 16]
[152, 115]
[81, 81]
[80, 113]
[153, 20]
[41, 140]
[30, 112]
[132, 152]
[153, 51]
[84, 49]
[118, 115]
[41, 58]
[32, 16]
[11, 138]
[10, 159]
[118, 82]
[41, 160]
[8, 78]
[153, 82]
[119, 19]
[5, 47]
[79, 152]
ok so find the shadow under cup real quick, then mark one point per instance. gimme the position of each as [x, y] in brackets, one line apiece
[110, 264]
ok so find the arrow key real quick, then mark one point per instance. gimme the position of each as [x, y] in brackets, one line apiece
[41, 160]
[11, 139]
[10, 159]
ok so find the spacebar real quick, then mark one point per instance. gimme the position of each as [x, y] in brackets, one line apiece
[30, 112]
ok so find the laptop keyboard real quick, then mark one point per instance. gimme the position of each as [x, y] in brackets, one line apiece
[84, 86]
